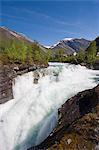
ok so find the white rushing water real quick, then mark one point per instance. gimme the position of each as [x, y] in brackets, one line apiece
[29, 118]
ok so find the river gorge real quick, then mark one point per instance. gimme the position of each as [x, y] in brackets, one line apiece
[32, 114]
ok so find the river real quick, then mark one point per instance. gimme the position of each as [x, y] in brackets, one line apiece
[30, 117]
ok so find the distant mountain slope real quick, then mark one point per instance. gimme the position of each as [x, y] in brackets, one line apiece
[19, 49]
[7, 35]
[71, 45]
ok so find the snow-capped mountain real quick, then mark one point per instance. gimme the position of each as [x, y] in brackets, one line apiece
[52, 46]
[47, 46]
[71, 45]
[67, 39]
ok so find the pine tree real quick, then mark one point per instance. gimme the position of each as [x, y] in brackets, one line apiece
[23, 53]
[11, 52]
[91, 53]
[81, 56]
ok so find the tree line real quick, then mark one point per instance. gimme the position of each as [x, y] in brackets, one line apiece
[88, 56]
[19, 52]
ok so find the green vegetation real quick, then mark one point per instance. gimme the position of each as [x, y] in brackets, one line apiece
[59, 56]
[13, 51]
[88, 56]
[49, 55]
[81, 56]
[16, 52]
[37, 54]
[91, 53]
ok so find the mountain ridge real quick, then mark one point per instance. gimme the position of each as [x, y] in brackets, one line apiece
[72, 45]
[9, 34]
[69, 45]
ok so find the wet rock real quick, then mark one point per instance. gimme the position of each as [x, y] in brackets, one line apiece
[79, 105]
[7, 75]
[78, 124]
[5, 84]
[36, 77]
[96, 65]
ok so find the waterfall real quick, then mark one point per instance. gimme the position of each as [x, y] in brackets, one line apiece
[30, 117]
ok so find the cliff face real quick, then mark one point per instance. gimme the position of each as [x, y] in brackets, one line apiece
[83, 134]
[78, 124]
[5, 84]
[7, 75]
[70, 45]
[79, 105]
[96, 65]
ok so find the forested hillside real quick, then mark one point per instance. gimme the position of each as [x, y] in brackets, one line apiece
[15, 48]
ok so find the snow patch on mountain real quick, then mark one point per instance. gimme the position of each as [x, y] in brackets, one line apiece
[55, 44]
[67, 39]
[47, 46]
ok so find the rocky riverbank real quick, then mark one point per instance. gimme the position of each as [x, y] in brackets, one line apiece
[96, 65]
[7, 75]
[78, 124]
[10, 71]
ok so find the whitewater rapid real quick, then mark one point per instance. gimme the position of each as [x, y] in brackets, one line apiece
[30, 117]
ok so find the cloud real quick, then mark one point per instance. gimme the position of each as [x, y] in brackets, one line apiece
[50, 18]
[21, 20]
[45, 16]
[30, 13]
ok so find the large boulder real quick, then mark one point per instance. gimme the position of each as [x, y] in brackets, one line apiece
[78, 124]
[7, 75]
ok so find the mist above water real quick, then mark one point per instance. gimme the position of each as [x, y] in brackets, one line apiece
[30, 117]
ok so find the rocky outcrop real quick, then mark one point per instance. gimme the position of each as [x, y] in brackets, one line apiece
[83, 134]
[79, 105]
[78, 124]
[21, 69]
[70, 46]
[96, 65]
[8, 73]
[6, 76]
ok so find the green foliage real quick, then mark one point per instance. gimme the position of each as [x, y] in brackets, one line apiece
[22, 52]
[81, 56]
[59, 55]
[16, 52]
[3, 44]
[10, 51]
[91, 52]
[19, 52]
[88, 56]
[97, 57]
[49, 55]
[38, 54]
[29, 58]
